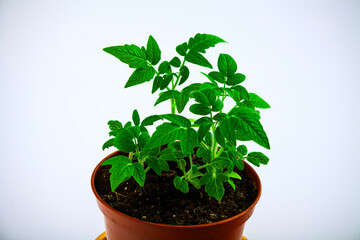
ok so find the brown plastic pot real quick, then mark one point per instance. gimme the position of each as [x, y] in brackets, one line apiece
[122, 227]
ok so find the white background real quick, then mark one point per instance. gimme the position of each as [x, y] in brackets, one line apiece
[58, 89]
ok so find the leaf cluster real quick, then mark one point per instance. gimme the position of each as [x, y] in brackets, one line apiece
[215, 137]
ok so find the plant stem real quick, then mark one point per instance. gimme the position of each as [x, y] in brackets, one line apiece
[172, 105]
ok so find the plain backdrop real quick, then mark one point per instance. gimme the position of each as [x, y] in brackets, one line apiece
[58, 89]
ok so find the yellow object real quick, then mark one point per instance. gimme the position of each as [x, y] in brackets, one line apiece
[103, 237]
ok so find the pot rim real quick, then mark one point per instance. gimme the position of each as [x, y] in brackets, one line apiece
[255, 177]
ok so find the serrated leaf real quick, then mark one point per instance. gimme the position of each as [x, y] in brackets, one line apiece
[200, 98]
[257, 158]
[153, 51]
[177, 119]
[257, 101]
[124, 141]
[157, 164]
[235, 79]
[182, 49]
[164, 134]
[140, 75]
[121, 169]
[175, 62]
[166, 96]
[251, 127]
[129, 54]
[227, 65]
[108, 143]
[200, 109]
[201, 42]
[184, 74]
[139, 174]
[203, 129]
[156, 83]
[136, 118]
[181, 184]
[198, 59]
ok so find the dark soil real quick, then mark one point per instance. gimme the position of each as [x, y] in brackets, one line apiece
[158, 201]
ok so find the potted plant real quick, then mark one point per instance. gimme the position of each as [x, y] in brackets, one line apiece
[192, 166]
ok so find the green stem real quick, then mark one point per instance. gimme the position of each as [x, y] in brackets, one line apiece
[147, 169]
[172, 105]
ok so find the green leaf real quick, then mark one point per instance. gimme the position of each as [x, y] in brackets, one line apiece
[257, 101]
[108, 143]
[257, 158]
[200, 109]
[198, 59]
[175, 62]
[215, 187]
[244, 112]
[136, 118]
[203, 129]
[177, 119]
[217, 106]
[166, 96]
[188, 140]
[223, 162]
[243, 93]
[181, 184]
[164, 67]
[184, 73]
[164, 134]
[166, 81]
[124, 141]
[201, 42]
[252, 128]
[153, 51]
[181, 100]
[192, 87]
[140, 75]
[148, 121]
[181, 164]
[115, 125]
[156, 84]
[227, 65]
[127, 124]
[217, 76]
[210, 79]
[220, 116]
[232, 184]
[233, 175]
[139, 174]
[143, 139]
[182, 49]
[219, 137]
[242, 149]
[200, 98]
[122, 168]
[157, 164]
[202, 120]
[129, 54]
[235, 79]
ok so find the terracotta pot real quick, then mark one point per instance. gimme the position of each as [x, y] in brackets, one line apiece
[120, 226]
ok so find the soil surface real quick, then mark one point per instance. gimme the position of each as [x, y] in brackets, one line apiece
[159, 202]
